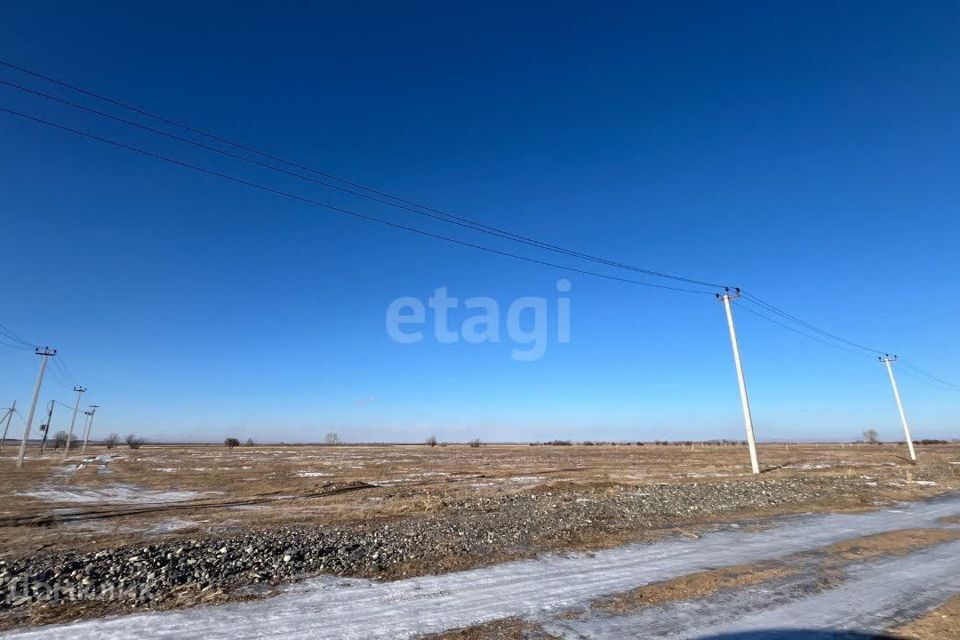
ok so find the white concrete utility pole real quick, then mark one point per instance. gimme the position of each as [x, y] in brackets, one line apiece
[86, 436]
[744, 399]
[888, 360]
[12, 410]
[76, 408]
[44, 353]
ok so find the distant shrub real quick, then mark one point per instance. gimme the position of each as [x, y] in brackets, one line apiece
[332, 438]
[475, 444]
[230, 443]
[111, 440]
[431, 441]
[134, 442]
[587, 443]
[560, 443]
[59, 440]
[249, 442]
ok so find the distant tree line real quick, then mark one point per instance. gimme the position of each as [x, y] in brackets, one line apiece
[638, 443]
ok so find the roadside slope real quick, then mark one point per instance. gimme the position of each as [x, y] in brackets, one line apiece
[348, 609]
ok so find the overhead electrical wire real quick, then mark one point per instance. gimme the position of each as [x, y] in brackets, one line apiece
[337, 209]
[10, 335]
[864, 349]
[377, 196]
[360, 190]
[58, 377]
[803, 323]
[927, 375]
[11, 345]
[795, 330]
[58, 361]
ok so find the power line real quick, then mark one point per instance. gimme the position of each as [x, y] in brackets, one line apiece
[842, 347]
[58, 360]
[360, 190]
[781, 312]
[928, 375]
[11, 335]
[797, 331]
[754, 299]
[11, 345]
[353, 187]
[349, 212]
[59, 377]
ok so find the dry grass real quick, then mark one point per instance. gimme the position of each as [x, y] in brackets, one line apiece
[890, 543]
[413, 480]
[694, 585]
[943, 623]
[509, 629]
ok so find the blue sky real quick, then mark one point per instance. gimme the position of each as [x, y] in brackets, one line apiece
[804, 151]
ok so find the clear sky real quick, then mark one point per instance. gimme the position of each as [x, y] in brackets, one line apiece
[807, 152]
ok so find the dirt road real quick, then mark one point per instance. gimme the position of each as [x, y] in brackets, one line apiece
[872, 595]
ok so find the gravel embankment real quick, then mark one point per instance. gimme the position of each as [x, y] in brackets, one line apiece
[472, 532]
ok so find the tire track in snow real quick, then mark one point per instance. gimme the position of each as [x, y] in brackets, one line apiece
[328, 608]
[874, 596]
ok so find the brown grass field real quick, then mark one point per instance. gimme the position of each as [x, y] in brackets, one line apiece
[165, 490]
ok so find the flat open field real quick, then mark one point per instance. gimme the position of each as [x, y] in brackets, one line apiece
[82, 502]
[174, 526]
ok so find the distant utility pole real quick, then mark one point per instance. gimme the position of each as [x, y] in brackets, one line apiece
[744, 399]
[888, 360]
[12, 410]
[86, 436]
[80, 391]
[46, 427]
[44, 353]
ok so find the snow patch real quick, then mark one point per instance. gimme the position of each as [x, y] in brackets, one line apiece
[119, 493]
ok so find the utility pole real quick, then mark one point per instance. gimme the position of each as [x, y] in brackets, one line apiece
[44, 353]
[888, 360]
[86, 436]
[12, 410]
[80, 391]
[46, 427]
[744, 399]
